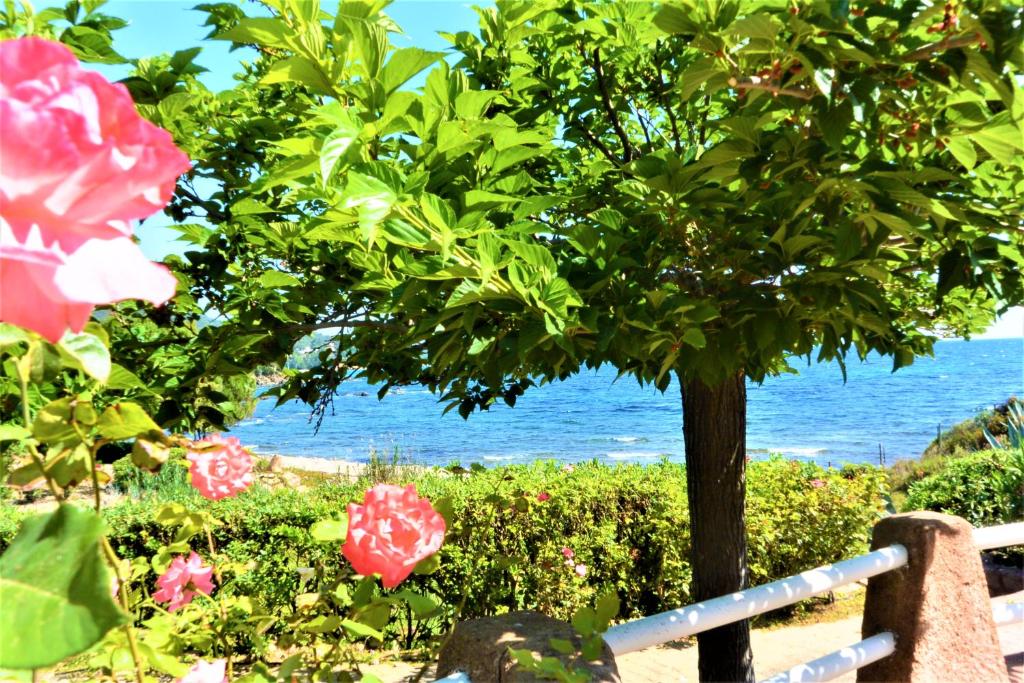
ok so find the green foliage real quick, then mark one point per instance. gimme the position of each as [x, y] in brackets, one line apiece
[169, 483]
[53, 573]
[984, 488]
[969, 435]
[627, 525]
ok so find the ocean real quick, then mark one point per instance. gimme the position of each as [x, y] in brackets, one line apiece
[812, 415]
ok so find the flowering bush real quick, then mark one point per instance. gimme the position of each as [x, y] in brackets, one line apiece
[77, 166]
[391, 532]
[182, 580]
[220, 467]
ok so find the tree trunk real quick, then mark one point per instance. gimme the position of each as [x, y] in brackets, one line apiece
[714, 430]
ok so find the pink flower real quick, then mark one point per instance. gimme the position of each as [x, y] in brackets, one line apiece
[56, 291]
[817, 483]
[77, 164]
[543, 496]
[182, 580]
[567, 552]
[391, 532]
[220, 467]
[569, 467]
[206, 672]
[581, 570]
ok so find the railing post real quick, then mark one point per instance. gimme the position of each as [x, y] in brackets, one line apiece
[937, 606]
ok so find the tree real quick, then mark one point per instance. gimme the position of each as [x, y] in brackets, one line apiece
[697, 190]
[745, 182]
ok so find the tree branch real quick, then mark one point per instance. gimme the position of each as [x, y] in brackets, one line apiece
[592, 139]
[948, 43]
[627, 150]
[768, 85]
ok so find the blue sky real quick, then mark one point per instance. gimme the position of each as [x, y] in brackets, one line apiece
[159, 26]
[165, 26]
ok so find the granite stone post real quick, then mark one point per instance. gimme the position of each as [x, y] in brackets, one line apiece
[479, 648]
[937, 606]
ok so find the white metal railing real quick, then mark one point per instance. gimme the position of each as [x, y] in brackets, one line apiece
[882, 645]
[680, 623]
[702, 616]
[835, 664]
[457, 677]
[1000, 536]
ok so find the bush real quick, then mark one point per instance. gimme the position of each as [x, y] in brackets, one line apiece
[969, 436]
[627, 525]
[984, 488]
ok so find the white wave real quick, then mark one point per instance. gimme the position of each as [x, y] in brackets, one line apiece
[498, 458]
[798, 451]
[628, 439]
[629, 455]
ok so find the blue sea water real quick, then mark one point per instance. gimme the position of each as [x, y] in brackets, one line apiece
[812, 415]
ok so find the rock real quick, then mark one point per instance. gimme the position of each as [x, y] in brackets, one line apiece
[1002, 578]
[276, 465]
[479, 647]
[937, 606]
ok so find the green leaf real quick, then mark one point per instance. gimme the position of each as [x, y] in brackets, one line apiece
[335, 146]
[274, 278]
[372, 198]
[428, 565]
[13, 432]
[55, 590]
[329, 530]
[695, 338]
[358, 630]
[53, 422]
[676, 19]
[1003, 142]
[9, 334]
[87, 352]
[963, 150]
[423, 606]
[835, 123]
[247, 206]
[607, 607]
[298, 70]
[259, 30]
[562, 646]
[404, 64]
[823, 79]
[124, 421]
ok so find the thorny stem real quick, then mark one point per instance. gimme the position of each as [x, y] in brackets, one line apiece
[36, 458]
[92, 467]
[133, 647]
[220, 605]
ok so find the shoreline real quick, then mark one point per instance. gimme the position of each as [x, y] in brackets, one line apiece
[313, 464]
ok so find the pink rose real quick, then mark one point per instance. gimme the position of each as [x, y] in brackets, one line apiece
[77, 163]
[78, 160]
[220, 467]
[391, 532]
[48, 291]
[543, 496]
[206, 672]
[182, 580]
[581, 570]
[817, 483]
[567, 552]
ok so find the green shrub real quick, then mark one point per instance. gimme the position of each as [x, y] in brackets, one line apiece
[628, 525]
[984, 488]
[969, 436]
[170, 483]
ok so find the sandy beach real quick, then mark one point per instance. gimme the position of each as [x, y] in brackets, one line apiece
[347, 468]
